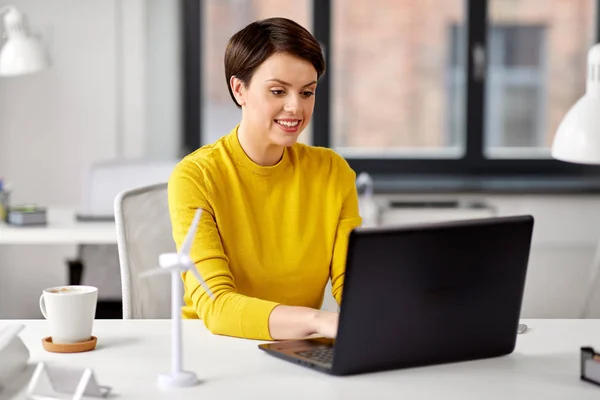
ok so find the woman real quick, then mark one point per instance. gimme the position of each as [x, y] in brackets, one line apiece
[277, 213]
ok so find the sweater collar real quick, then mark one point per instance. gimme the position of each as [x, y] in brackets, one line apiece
[242, 159]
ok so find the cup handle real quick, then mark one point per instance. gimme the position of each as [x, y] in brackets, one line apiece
[43, 306]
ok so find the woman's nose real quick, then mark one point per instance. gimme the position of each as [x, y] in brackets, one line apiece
[293, 104]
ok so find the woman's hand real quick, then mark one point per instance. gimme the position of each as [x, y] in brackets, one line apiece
[289, 322]
[327, 324]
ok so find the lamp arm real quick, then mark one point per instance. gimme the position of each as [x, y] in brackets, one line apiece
[7, 8]
[3, 10]
[592, 283]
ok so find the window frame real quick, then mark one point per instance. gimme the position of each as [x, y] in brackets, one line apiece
[473, 163]
[191, 33]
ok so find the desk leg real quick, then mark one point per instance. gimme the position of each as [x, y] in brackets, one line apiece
[75, 271]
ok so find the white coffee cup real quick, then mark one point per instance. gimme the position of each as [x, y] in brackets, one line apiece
[70, 311]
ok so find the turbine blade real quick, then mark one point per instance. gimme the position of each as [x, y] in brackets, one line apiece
[189, 238]
[201, 281]
[158, 271]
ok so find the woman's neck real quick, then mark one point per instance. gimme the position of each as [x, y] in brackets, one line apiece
[264, 154]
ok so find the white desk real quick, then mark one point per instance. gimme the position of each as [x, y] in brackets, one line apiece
[62, 228]
[131, 353]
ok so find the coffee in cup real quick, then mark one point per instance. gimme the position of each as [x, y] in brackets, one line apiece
[70, 311]
[66, 290]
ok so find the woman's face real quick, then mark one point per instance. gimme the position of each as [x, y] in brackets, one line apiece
[279, 100]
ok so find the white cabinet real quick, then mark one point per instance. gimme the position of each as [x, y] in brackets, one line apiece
[566, 232]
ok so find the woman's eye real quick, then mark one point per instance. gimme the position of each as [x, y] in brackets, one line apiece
[277, 92]
[307, 94]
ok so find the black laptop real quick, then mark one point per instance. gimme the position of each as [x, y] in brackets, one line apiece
[424, 294]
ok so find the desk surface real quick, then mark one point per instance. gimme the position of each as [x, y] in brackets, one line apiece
[62, 228]
[131, 353]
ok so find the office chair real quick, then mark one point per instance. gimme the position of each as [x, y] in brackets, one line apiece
[143, 233]
[98, 265]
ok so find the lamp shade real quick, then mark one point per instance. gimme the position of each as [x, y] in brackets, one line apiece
[577, 139]
[21, 54]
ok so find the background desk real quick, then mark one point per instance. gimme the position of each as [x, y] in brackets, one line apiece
[62, 228]
[131, 353]
[35, 257]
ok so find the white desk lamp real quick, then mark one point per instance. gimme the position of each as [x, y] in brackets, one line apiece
[21, 54]
[577, 140]
[175, 264]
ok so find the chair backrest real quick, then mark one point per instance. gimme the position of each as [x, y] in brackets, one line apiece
[143, 233]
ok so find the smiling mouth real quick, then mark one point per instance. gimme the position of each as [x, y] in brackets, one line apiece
[288, 124]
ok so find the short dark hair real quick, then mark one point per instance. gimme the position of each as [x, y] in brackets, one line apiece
[251, 46]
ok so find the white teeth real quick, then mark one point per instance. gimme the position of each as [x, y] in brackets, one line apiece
[286, 123]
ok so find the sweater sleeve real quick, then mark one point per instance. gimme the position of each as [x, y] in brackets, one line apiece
[228, 313]
[348, 220]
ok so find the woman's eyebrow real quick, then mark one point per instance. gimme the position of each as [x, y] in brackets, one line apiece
[284, 83]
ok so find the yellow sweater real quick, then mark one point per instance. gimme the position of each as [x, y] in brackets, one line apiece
[267, 236]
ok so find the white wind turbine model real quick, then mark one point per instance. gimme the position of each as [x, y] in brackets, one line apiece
[176, 263]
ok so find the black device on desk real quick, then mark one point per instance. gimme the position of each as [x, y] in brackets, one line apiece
[83, 216]
[424, 294]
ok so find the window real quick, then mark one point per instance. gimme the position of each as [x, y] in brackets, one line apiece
[389, 92]
[515, 88]
[453, 87]
[536, 72]
[516, 79]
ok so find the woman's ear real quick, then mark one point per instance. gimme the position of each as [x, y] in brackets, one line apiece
[238, 89]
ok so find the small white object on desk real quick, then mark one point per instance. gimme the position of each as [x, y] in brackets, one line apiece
[13, 353]
[52, 381]
[175, 264]
[367, 207]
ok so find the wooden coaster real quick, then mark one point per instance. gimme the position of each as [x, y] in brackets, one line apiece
[69, 348]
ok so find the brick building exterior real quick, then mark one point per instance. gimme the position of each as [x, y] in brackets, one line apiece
[396, 67]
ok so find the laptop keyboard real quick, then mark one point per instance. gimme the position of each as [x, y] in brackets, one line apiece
[323, 355]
